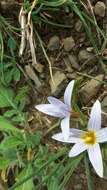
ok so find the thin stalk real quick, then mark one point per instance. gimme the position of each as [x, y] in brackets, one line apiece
[88, 175]
[46, 56]
[91, 77]
[53, 127]
[55, 24]
[73, 165]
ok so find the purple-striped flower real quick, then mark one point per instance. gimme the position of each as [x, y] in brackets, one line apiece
[59, 109]
[88, 140]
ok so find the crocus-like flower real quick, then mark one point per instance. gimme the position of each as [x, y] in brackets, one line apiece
[59, 109]
[88, 140]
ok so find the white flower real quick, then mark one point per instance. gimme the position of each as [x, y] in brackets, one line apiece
[88, 140]
[59, 109]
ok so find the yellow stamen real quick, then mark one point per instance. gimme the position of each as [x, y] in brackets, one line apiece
[89, 137]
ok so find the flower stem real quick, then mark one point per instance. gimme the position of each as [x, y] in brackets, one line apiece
[88, 175]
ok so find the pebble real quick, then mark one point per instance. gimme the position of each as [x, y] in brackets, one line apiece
[104, 102]
[32, 75]
[69, 68]
[90, 89]
[68, 43]
[100, 9]
[54, 43]
[104, 108]
[104, 54]
[72, 75]
[82, 37]
[89, 49]
[38, 67]
[84, 55]
[69, 19]
[58, 77]
[78, 26]
[73, 61]
[78, 187]
[6, 4]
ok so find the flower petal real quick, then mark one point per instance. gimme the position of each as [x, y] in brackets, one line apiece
[68, 93]
[102, 135]
[95, 117]
[77, 149]
[77, 132]
[60, 137]
[65, 127]
[50, 110]
[55, 101]
[63, 107]
[96, 159]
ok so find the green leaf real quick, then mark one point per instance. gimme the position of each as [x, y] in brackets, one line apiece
[22, 93]
[11, 155]
[10, 113]
[88, 174]
[11, 43]
[36, 138]
[74, 162]
[8, 76]
[16, 74]
[28, 185]
[33, 140]
[3, 163]
[6, 97]
[37, 171]
[53, 184]
[6, 126]
[10, 142]
[18, 119]
[12, 74]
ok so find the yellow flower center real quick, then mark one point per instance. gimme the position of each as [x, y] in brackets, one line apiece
[89, 137]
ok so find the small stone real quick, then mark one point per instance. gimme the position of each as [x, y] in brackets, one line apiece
[71, 14]
[82, 176]
[74, 61]
[82, 37]
[6, 4]
[104, 54]
[104, 102]
[90, 89]
[68, 43]
[32, 75]
[72, 75]
[78, 26]
[54, 43]
[78, 187]
[104, 108]
[84, 55]
[90, 49]
[38, 67]
[69, 68]
[100, 9]
[68, 19]
[42, 76]
[58, 78]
